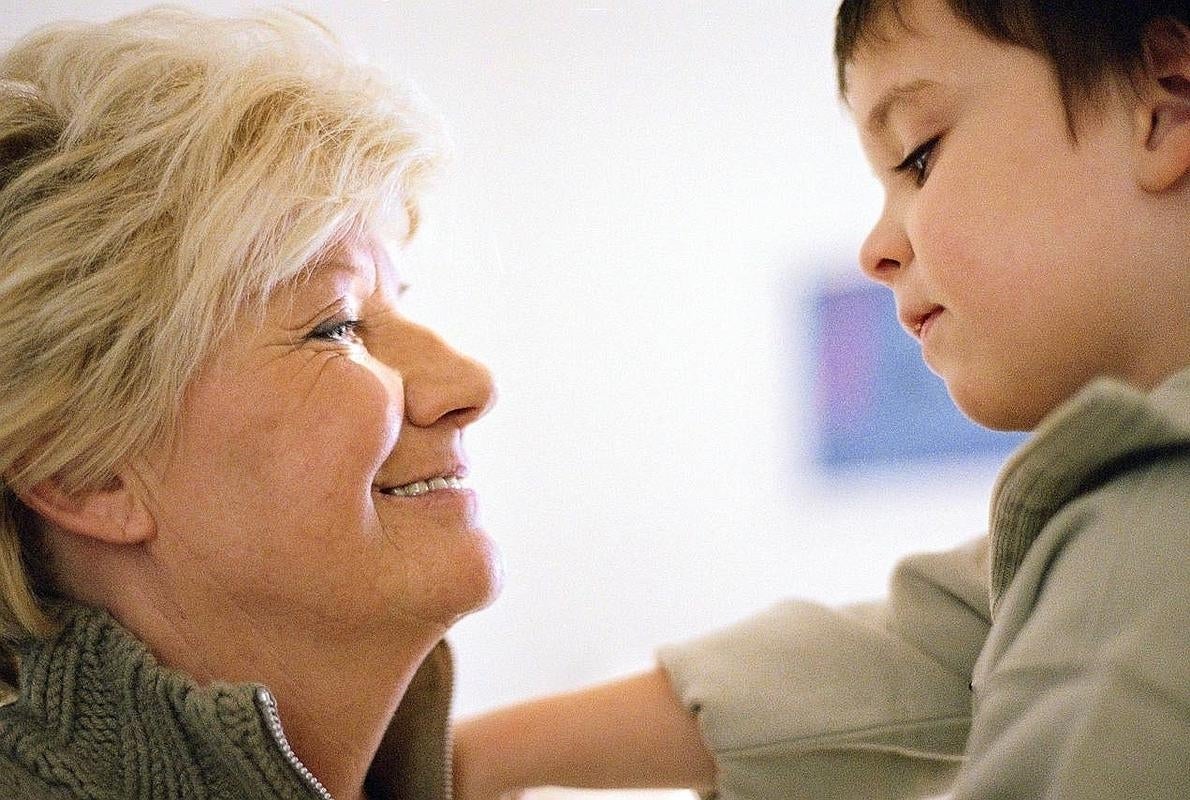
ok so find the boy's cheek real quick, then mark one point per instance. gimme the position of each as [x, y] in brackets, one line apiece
[947, 241]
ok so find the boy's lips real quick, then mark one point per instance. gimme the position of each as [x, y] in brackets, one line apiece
[918, 319]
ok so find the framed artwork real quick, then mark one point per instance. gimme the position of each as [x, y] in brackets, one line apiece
[876, 402]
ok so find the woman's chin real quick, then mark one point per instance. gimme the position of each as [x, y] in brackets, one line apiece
[462, 581]
[480, 584]
[444, 565]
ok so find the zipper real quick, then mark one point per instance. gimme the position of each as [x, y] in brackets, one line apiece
[268, 705]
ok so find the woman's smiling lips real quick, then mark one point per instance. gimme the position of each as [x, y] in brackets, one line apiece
[434, 476]
[448, 494]
[420, 487]
[444, 485]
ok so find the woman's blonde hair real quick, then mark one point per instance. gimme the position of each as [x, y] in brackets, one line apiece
[159, 175]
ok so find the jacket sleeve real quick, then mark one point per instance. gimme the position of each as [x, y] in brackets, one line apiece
[1084, 689]
[866, 701]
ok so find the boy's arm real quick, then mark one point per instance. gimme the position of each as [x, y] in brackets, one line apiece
[871, 700]
[630, 733]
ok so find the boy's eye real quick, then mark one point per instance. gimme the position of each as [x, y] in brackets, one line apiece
[342, 330]
[917, 163]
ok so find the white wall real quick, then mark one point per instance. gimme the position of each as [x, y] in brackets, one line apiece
[643, 191]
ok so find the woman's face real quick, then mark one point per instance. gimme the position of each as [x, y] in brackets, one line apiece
[275, 494]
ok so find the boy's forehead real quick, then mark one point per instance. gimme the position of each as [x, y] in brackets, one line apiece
[874, 119]
[919, 48]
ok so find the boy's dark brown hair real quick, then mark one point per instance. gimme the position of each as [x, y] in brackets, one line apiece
[1088, 43]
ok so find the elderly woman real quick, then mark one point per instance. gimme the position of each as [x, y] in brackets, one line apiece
[234, 528]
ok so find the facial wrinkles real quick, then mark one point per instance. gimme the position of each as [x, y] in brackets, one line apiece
[352, 285]
[355, 291]
[332, 288]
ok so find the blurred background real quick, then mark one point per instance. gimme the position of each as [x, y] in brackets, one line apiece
[648, 233]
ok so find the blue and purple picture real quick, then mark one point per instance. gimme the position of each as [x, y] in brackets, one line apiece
[877, 402]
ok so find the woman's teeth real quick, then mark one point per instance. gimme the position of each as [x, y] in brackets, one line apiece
[421, 487]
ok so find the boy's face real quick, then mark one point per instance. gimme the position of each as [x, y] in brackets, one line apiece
[1022, 251]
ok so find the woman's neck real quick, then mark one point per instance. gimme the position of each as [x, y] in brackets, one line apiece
[336, 688]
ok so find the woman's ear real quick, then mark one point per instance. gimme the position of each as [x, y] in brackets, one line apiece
[114, 513]
[1163, 115]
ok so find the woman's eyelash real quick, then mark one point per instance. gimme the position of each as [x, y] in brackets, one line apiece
[917, 163]
[342, 330]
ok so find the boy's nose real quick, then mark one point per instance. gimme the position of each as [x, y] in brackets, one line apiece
[443, 384]
[886, 250]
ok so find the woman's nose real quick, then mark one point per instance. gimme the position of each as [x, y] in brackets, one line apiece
[887, 248]
[443, 384]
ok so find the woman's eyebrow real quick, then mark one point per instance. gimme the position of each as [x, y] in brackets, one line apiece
[877, 121]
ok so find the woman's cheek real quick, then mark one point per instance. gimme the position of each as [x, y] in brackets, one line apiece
[363, 406]
[382, 389]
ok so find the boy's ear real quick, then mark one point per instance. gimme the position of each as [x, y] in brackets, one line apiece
[1163, 115]
[114, 513]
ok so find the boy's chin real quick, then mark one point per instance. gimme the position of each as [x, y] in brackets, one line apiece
[998, 409]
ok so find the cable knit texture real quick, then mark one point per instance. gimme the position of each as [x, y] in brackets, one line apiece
[97, 717]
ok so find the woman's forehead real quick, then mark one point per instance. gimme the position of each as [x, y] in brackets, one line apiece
[354, 264]
[359, 269]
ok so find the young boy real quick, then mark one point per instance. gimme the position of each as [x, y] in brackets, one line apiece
[1035, 159]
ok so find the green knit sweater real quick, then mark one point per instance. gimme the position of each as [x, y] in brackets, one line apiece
[97, 717]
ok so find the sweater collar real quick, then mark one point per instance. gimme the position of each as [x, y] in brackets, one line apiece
[102, 706]
[1106, 428]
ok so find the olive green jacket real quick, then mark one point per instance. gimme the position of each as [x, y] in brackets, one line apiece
[1050, 658]
[97, 717]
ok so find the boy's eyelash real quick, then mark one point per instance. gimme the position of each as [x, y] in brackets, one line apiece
[917, 162]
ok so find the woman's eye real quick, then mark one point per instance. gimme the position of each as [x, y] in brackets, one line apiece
[346, 330]
[918, 162]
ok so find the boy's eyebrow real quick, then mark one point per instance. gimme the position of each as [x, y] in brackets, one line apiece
[877, 120]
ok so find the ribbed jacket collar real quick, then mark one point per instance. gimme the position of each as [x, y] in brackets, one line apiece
[1106, 428]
